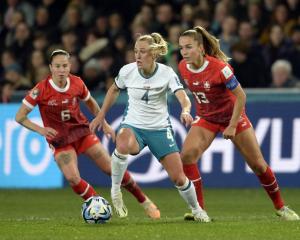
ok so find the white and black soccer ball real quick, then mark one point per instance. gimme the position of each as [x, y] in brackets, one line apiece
[96, 209]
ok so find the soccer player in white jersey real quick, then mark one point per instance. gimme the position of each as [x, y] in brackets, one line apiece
[146, 120]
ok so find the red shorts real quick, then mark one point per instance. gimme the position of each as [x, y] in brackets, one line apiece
[80, 145]
[243, 124]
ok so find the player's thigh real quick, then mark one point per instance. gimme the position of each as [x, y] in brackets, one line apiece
[173, 165]
[98, 154]
[127, 142]
[196, 142]
[247, 144]
[67, 162]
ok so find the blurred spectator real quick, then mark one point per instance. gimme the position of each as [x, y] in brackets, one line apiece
[115, 22]
[145, 17]
[73, 22]
[22, 44]
[255, 17]
[93, 45]
[278, 46]
[75, 65]
[282, 75]
[294, 8]
[13, 75]
[7, 59]
[221, 12]
[101, 26]
[187, 14]
[173, 56]
[86, 10]
[6, 92]
[37, 67]
[17, 18]
[164, 17]
[18, 5]
[249, 72]
[43, 25]
[294, 55]
[55, 9]
[228, 36]
[91, 75]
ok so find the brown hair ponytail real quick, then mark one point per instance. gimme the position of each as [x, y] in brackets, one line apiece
[210, 43]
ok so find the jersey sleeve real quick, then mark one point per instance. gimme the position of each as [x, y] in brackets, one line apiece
[120, 79]
[84, 93]
[33, 96]
[174, 83]
[228, 77]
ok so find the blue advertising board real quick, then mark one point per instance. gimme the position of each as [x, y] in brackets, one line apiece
[25, 158]
[277, 125]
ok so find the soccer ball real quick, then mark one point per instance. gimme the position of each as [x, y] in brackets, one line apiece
[96, 209]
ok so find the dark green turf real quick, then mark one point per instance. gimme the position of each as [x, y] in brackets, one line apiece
[55, 214]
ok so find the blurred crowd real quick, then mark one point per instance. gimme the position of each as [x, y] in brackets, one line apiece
[262, 37]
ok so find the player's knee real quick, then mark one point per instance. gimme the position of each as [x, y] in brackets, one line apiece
[190, 156]
[178, 179]
[259, 167]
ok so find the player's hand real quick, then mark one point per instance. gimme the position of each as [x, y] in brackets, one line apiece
[229, 132]
[186, 118]
[109, 131]
[97, 123]
[48, 132]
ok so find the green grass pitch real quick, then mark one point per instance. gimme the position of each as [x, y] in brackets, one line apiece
[55, 214]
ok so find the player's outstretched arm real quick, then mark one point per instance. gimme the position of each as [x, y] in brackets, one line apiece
[110, 97]
[185, 116]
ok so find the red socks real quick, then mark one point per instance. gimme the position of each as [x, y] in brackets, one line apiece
[269, 183]
[192, 173]
[84, 189]
[130, 185]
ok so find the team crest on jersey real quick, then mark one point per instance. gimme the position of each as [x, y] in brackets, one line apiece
[206, 86]
[34, 93]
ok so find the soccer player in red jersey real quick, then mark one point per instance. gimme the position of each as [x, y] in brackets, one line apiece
[220, 107]
[67, 131]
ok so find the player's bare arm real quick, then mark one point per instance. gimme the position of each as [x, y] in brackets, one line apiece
[239, 105]
[21, 118]
[110, 98]
[185, 116]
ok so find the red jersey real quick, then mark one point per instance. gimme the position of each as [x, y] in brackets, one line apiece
[60, 109]
[213, 101]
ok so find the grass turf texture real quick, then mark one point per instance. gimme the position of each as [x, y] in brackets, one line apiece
[55, 214]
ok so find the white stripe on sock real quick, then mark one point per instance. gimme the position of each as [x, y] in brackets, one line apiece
[85, 191]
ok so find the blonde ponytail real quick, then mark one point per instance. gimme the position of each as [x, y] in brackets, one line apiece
[157, 44]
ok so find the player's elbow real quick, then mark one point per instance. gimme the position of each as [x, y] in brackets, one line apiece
[19, 117]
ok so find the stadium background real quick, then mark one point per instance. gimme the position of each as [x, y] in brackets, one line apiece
[99, 35]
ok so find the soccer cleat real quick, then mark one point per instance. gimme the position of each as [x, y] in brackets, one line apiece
[287, 214]
[119, 205]
[151, 209]
[188, 217]
[201, 216]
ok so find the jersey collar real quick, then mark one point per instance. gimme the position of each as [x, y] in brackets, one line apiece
[66, 88]
[201, 69]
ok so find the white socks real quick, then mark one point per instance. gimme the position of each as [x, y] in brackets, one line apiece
[188, 193]
[118, 167]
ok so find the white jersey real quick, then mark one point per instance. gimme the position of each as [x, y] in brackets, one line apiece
[147, 104]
